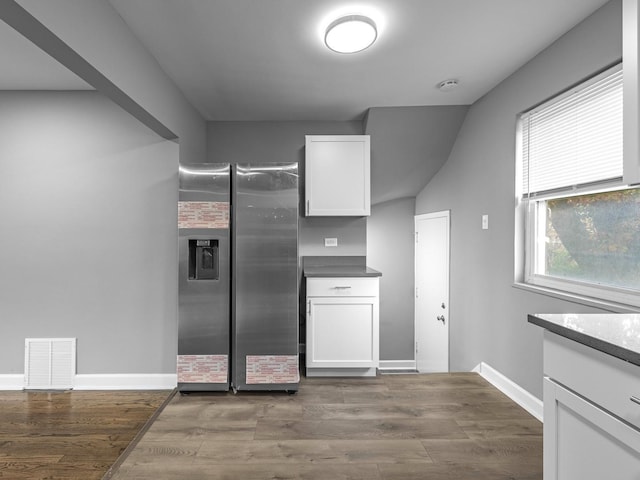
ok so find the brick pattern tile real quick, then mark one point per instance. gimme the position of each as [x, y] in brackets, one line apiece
[202, 368]
[203, 215]
[272, 369]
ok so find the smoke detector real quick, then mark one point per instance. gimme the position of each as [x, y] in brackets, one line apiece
[448, 85]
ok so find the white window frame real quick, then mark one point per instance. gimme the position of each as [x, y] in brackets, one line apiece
[596, 291]
[528, 223]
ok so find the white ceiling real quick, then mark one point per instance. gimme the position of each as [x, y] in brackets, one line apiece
[265, 60]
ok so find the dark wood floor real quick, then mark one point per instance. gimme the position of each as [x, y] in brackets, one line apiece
[69, 435]
[393, 427]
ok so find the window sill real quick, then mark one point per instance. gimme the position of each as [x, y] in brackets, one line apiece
[606, 305]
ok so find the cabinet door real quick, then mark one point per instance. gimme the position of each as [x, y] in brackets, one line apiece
[342, 332]
[582, 441]
[337, 175]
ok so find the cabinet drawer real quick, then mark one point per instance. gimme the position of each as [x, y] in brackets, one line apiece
[342, 287]
[604, 380]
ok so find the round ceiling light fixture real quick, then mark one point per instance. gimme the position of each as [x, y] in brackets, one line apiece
[350, 34]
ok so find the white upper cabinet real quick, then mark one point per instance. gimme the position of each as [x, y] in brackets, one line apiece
[337, 175]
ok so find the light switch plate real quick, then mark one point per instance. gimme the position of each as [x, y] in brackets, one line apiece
[330, 242]
[485, 222]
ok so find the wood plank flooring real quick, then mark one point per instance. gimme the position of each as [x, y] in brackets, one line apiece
[69, 435]
[392, 427]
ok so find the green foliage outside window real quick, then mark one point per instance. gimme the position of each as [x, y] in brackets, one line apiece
[595, 238]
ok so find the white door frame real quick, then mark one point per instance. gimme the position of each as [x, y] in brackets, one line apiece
[447, 311]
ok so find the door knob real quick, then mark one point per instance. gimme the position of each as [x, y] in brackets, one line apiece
[443, 305]
[440, 318]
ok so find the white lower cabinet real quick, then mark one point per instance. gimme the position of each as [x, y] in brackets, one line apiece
[591, 431]
[583, 441]
[342, 326]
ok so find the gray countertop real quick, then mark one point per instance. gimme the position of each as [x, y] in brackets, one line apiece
[340, 271]
[616, 334]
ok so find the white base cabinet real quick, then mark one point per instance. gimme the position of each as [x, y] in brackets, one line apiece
[342, 326]
[591, 422]
[585, 442]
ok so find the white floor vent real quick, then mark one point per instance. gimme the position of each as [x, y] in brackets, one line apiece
[49, 363]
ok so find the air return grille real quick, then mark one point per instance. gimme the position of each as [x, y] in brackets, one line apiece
[49, 363]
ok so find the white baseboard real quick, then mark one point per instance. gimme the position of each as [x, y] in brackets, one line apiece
[511, 389]
[391, 365]
[126, 381]
[11, 381]
[341, 372]
[116, 381]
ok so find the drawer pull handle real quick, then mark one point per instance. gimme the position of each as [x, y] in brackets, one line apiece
[635, 400]
[342, 287]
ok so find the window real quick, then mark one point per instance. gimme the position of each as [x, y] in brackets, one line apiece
[582, 225]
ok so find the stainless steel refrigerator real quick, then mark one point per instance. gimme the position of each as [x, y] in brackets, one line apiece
[238, 277]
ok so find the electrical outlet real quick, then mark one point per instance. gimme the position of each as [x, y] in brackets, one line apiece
[330, 242]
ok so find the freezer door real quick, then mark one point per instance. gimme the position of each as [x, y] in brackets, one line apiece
[204, 296]
[265, 277]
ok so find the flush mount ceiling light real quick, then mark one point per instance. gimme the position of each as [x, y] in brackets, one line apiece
[350, 34]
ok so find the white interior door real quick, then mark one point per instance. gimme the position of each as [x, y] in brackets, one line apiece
[432, 292]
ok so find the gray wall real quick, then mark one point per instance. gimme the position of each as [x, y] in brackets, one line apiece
[100, 36]
[488, 315]
[262, 142]
[390, 249]
[234, 142]
[408, 147]
[89, 236]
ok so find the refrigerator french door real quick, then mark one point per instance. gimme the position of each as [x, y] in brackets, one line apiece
[238, 287]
